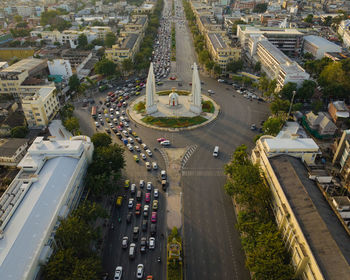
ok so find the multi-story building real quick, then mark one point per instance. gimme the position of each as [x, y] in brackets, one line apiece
[137, 24]
[101, 31]
[315, 238]
[287, 40]
[318, 46]
[344, 32]
[221, 50]
[126, 48]
[46, 189]
[342, 157]
[60, 67]
[13, 76]
[12, 150]
[40, 107]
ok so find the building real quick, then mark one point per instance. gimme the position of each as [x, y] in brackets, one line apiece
[101, 31]
[344, 31]
[41, 107]
[12, 77]
[221, 50]
[338, 111]
[341, 158]
[60, 67]
[314, 236]
[3, 65]
[46, 189]
[321, 123]
[318, 46]
[288, 40]
[336, 56]
[137, 24]
[277, 65]
[12, 150]
[5, 38]
[126, 48]
[20, 53]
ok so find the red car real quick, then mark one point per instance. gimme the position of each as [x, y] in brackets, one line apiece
[154, 217]
[119, 105]
[126, 97]
[161, 139]
[110, 93]
[138, 209]
[148, 197]
[172, 78]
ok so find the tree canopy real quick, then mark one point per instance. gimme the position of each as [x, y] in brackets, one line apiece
[234, 66]
[272, 126]
[101, 140]
[82, 41]
[110, 39]
[19, 132]
[105, 67]
[74, 82]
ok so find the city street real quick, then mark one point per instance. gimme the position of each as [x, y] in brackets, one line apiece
[212, 247]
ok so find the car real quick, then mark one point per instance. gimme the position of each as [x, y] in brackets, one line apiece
[143, 244]
[149, 186]
[173, 78]
[145, 210]
[148, 166]
[156, 193]
[138, 209]
[125, 242]
[135, 233]
[143, 156]
[161, 139]
[149, 277]
[154, 165]
[144, 225]
[163, 174]
[136, 158]
[129, 217]
[149, 153]
[142, 183]
[137, 148]
[221, 80]
[154, 217]
[165, 143]
[153, 229]
[132, 250]
[127, 184]
[139, 271]
[130, 147]
[97, 124]
[131, 141]
[253, 127]
[152, 243]
[210, 91]
[144, 146]
[147, 197]
[118, 273]
[155, 205]
[131, 203]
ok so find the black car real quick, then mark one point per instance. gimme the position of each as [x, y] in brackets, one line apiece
[143, 244]
[119, 135]
[144, 225]
[153, 229]
[135, 233]
[129, 217]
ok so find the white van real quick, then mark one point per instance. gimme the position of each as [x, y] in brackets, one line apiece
[216, 151]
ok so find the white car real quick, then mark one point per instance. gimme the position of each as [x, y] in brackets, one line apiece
[154, 165]
[139, 272]
[156, 193]
[152, 243]
[130, 147]
[143, 156]
[165, 143]
[142, 183]
[144, 146]
[131, 141]
[149, 186]
[149, 153]
[97, 124]
[118, 273]
[125, 133]
[148, 166]
[131, 203]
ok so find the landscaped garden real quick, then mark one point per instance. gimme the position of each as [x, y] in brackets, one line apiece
[140, 107]
[208, 106]
[179, 92]
[174, 122]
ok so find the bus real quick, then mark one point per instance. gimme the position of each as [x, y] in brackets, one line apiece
[93, 112]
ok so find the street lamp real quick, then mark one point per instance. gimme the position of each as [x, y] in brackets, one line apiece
[291, 103]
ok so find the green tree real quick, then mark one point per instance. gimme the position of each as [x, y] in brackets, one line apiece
[110, 39]
[74, 82]
[60, 265]
[127, 65]
[272, 126]
[235, 24]
[18, 18]
[287, 90]
[317, 106]
[98, 42]
[260, 8]
[308, 56]
[234, 66]
[306, 90]
[82, 41]
[101, 140]
[309, 18]
[72, 125]
[100, 52]
[105, 67]
[257, 66]
[279, 105]
[217, 69]
[19, 132]
[87, 268]
[67, 111]
[108, 159]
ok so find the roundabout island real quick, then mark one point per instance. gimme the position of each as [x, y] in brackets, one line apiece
[173, 109]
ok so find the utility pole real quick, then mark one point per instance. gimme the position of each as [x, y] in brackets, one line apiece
[291, 103]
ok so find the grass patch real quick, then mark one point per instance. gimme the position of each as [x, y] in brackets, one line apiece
[140, 107]
[173, 43]
[208, 106]
[174, 122]
[174, 271]
[179, 92]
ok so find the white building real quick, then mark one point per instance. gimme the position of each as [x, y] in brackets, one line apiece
[41, 107]
[47, 188]
[60, 67]
[318, 46]
[276, 64]
[344, 32]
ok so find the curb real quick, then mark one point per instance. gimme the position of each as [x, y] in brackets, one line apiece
[214, 117]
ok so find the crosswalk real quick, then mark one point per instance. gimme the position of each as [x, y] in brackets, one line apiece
[188, 154]
[204, 172]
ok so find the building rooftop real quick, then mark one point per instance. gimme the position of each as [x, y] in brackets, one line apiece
[327, 238]
[129, 41]
[320, 41]
[24, 65]
[217, 41]
[285, 144]
[8, 147]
